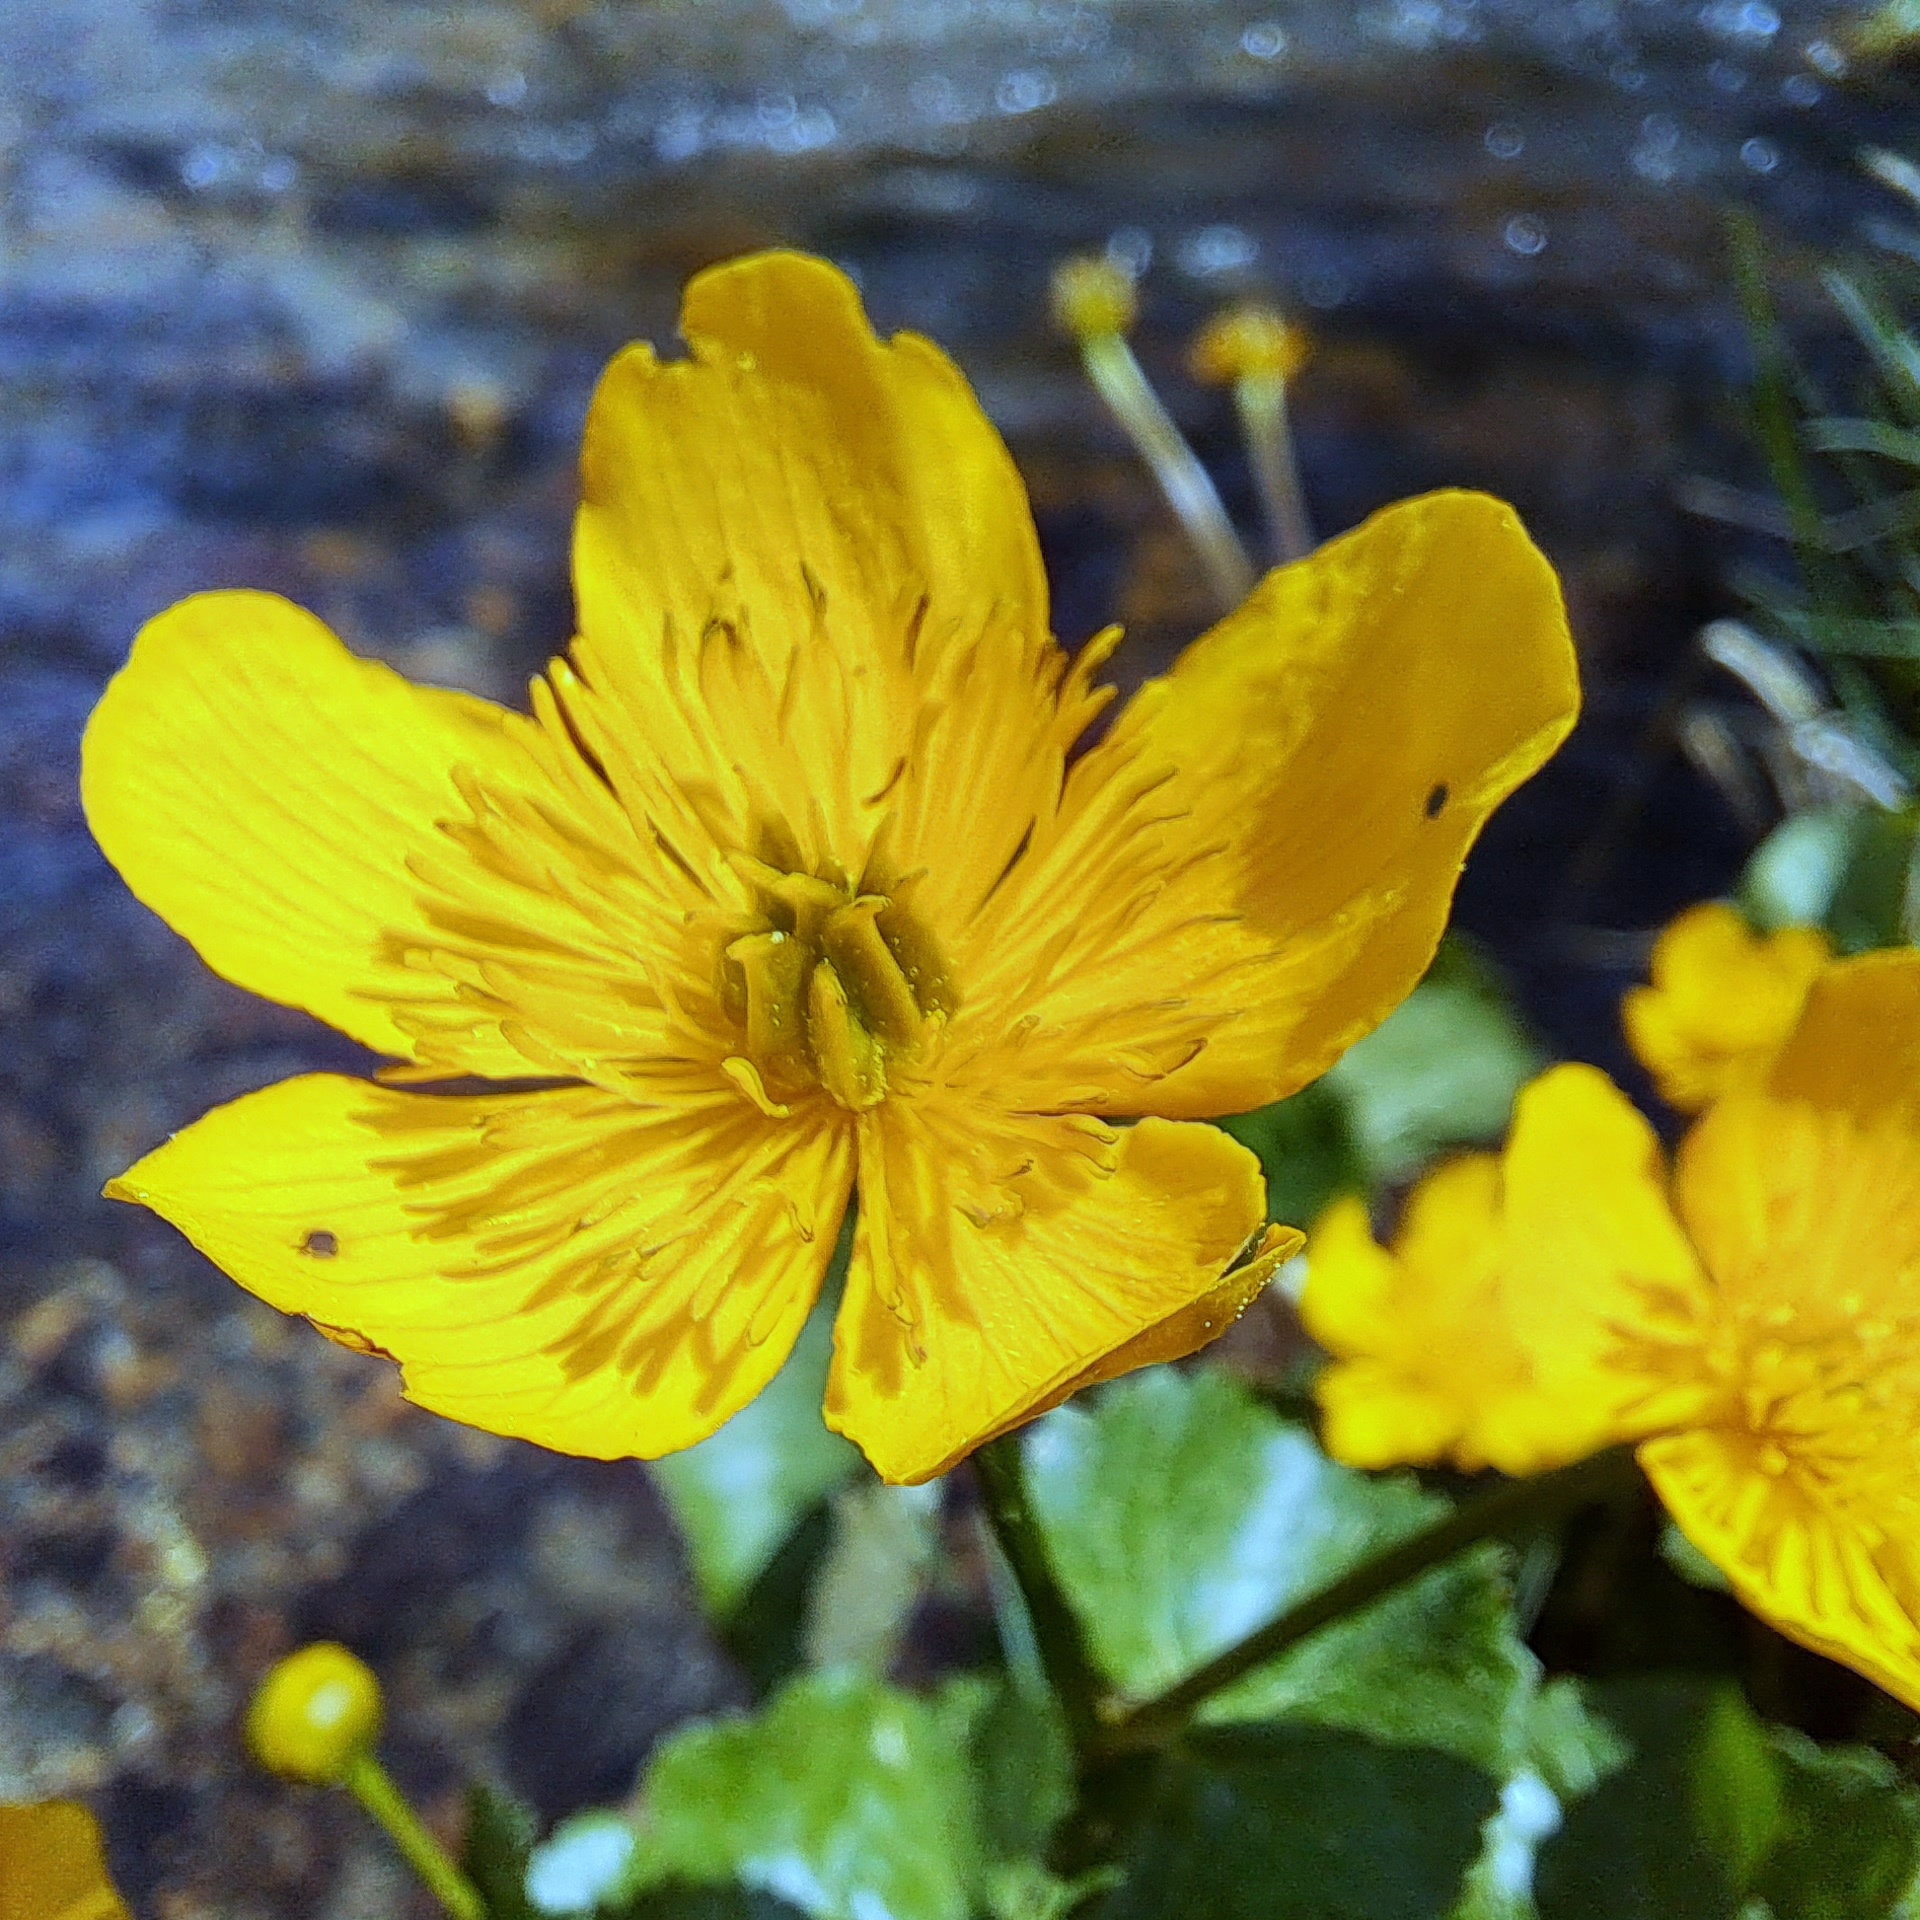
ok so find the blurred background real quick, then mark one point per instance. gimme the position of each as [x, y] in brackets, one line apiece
[311, 298]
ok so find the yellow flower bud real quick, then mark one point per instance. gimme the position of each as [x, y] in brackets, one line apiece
[314, 1714]
[1093, 296]
[1247, 339]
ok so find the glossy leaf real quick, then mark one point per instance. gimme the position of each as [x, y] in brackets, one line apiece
[1307, 1151]
[740, 1493]
[1303, 1823]
[845, 1797]
[1441, 1071]
[1718, 1817]
[494, 1852]
[1181, 1513]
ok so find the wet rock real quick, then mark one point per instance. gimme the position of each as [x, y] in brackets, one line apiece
[312, 300]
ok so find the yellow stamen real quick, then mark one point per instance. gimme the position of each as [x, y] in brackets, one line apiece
[1253, 347]
[1084, 305]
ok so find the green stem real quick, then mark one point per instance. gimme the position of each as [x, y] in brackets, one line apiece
[1121, 383]
[1063, 1652]
[1261, 399]
[370, 1783]
[1517, 1512]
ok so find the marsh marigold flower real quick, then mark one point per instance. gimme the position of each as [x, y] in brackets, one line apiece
[52, 1866]
[1723, 999]
[794, 879]
[1752, 1321]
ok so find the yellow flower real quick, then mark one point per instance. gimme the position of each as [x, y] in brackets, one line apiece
[795, 877]
[52, 1866]
[1754, 1323]
[1723, 998]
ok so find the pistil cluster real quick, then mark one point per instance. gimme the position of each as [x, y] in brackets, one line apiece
[836, 984]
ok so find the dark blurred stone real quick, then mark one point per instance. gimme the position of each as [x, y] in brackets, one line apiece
[586, 1720]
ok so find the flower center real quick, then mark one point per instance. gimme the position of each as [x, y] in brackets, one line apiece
[835, 988]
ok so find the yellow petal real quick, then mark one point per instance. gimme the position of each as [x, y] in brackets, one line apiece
[1531, 1310]
[1803, 1194]
[1723, 999]
[1834, 1575]
[1856, 1047]
[262, 790]
[793, 442]
[1806, 1190]
[810, 589]
[52, 1865]
[563, 1267]
[1415, 1333]
[1002, 1261]
[1256, 864]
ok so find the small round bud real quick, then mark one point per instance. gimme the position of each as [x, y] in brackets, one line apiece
[1247, 340]
[314, 1714]
[1093, 296]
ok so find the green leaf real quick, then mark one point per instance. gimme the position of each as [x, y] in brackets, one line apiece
[1023, 1773]
[1893, 637]
[1738, 1795]
[1864, 436]
[885, 1542]
[494, 1851]
[675, 1901]
[1719, 1817]
[1302, 1823]
[1307, 1151]
[1793, 875]
[845, 1797]
[1848, 1842]
[738, 1494]
[1441, 1072]
[1181, 1513]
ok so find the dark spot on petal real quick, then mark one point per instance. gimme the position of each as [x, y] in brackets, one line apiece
[1437, 799]
[321, 1244]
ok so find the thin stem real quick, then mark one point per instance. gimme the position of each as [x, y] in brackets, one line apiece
[1121, 383]
[370, 1783]
[1517, 1512]
[1261, 399]
[1056, 1632]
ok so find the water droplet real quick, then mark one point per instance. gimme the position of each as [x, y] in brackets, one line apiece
[1130, 249]
[1800, 90]
[1264, 40]
[808, 130]
[1740, 20]
[1726, 76]
[507, 88]
[1525, 235]
[1759, 156]
[203, 166]
[278, 173]
[1025, 90]
[1504, 140]
[1216, 250]
[680, 135]
[1824, 57]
